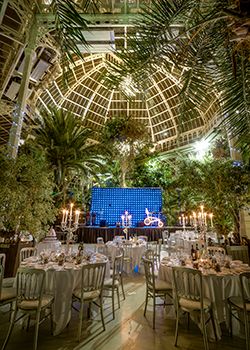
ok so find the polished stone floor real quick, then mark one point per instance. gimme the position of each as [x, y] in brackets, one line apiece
[129, 331]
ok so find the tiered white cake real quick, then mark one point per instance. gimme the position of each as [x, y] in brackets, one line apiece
[51, 236]
[50, 242]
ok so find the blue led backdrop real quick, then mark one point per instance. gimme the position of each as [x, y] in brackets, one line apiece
[110, 203]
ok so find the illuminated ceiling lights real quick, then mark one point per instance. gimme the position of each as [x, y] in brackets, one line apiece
[201, 148]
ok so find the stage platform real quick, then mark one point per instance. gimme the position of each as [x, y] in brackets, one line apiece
[89, 234]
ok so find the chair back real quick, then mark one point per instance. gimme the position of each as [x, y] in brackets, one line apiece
[245, 288]
[239, 253]
[117, 268]
[216, 249]
[150, 254]
[144, 238]
[99, 240]
[149, 273]
[26, 253]
[2, 259]
[1, 278]
[102, 249]
[188, 284]
[2, 263]
[92, 278]
[118, 238]
[155, 246]
[30, 284]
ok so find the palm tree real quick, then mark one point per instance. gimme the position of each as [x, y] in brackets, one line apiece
[68, 148]
[208, 42]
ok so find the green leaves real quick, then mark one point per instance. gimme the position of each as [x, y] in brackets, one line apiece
[68, 147]
[26, 193]
[202, 43]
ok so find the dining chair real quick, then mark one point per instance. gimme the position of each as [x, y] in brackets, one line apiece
[156, 247]
[127, 256]
[144, 238]
[91, 291]
[118, 238]
[165, 238]
[7, 294]
[6, 281]
[112, 284]
[30, 300]
[26, 253]
[189, 297]
[154, 287]
[238, 252]
[241, 304]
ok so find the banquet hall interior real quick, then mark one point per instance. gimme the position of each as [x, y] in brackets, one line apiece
[125, 174]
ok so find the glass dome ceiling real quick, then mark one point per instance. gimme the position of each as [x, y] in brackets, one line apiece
[87, 95]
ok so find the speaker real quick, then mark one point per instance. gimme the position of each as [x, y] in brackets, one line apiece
[103, 223]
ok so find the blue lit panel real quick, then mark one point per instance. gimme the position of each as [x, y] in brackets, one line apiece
[110, 203]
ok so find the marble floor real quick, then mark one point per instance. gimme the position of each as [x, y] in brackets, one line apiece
[129, 331]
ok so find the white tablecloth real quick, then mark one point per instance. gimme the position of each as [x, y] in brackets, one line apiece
[217, 288]
[60, 281]
[133, 252]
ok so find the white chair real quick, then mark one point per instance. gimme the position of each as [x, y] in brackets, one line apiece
[241, 304]
[30, 300]
[26, 253]
[165, 237]
[188, 291]
[7, 281]
[112, 284]
[7, 295]
[91, 290]
[144, 238]
[156, 247]
[154, 288]
[239, 253]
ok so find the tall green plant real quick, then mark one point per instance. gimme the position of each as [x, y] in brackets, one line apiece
[221, 185]
[127, 141]
[68, 149]
[26, 187]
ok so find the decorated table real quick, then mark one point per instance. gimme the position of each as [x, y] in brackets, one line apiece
[63, 275]
[219, 283]
[133, 252]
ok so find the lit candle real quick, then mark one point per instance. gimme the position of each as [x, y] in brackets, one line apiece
[71, 208]
[202, 208]
[66, 216]
[129, 220]
[122, 217]
[180, 220]
[77, 213]
[211, 219]
[63, 218]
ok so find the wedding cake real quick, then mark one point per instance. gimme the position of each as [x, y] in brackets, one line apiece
[51, 236]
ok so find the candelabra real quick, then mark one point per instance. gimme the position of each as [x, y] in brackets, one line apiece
[69, 223]
[126, 222]
[199, 220]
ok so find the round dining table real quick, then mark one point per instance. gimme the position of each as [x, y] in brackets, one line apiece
[218, 287]
[60, 282]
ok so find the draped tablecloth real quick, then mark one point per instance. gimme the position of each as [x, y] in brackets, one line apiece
[60, 281]
[132, 251]
[217, 288]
